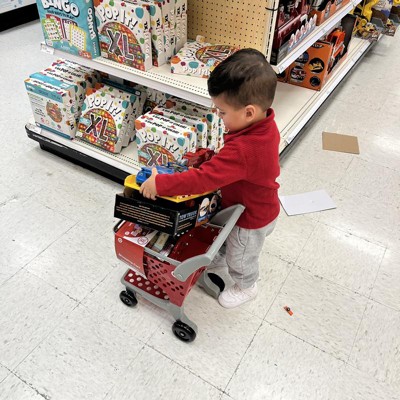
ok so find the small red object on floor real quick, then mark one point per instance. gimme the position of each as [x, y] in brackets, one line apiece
[288, 310]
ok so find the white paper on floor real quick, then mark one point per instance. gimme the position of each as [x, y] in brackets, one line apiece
[304, 203]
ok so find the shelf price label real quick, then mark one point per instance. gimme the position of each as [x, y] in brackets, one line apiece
[46, 49]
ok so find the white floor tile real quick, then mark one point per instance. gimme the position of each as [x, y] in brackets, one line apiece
[387, 285]
[140, 321]
[14, 388]
[373, 181]
[223, 338]
[324, 314]
[81, 358]
[71, 265]
[27, 229]
[3, 373]
[289, 236]
[376, 346]
[273, 272]
[34, 309]
[342, 258]
[380, 150]
[154, 376]
[364, 217]
[280, 366]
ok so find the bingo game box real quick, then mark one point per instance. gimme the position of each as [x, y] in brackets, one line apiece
[70, 26]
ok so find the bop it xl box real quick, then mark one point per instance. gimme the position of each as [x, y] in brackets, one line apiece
[166, 214]
[124, 32]
[103, 120]
[200, 59]
[157, 143]
[69, 25]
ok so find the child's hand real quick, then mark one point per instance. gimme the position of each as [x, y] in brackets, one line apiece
[148, 188]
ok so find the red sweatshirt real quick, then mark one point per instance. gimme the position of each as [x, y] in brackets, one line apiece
[245, 170]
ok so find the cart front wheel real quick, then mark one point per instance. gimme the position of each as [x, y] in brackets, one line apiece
[217, 280]
[129, 299]
[183, 331]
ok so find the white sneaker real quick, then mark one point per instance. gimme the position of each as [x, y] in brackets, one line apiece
[235, 297]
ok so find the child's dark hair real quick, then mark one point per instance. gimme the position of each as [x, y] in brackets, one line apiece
[244, 78]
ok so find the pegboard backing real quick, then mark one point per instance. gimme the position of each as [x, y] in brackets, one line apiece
[234, 22]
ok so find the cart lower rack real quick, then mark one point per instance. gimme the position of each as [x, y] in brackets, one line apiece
[168, 280]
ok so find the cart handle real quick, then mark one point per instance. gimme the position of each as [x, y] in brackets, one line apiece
[227, 218]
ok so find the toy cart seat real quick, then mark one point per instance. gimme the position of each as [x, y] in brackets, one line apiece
[168, 280]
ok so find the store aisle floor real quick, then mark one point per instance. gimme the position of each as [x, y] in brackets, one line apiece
[64, 334]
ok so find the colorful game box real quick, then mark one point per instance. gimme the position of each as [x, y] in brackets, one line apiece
[156, 30]
[180, 24]
[131, 113]
[124, 32]
[199, 59]
[184, 129]
[103, 122]
[52, 103]
[200, 124]
[199, 111]
[158, 144]
[70, 26]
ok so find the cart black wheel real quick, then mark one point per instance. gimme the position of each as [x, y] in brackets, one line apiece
[183, 331]
[129, 299]
[217, 280]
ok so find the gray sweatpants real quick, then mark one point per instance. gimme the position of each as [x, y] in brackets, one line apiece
[240, 254]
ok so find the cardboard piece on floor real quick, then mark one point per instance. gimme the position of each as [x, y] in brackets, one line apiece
[342, 143]
[309, 202]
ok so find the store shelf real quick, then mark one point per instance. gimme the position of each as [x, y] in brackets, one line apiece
[316, 34]
[160, 78]
[117, 165]
[10, 5]
[294, 106]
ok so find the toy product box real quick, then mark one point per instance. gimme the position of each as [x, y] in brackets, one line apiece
[130, 241]
[70, 26]
[293, 24]
[323, 9]
[156, 31]
[199, 58]
[52, 103]
[103, 122]
[124, 33]
[200, 124]
[131, 111]
[157, 143]
[180, 24]
[198, 111]
[165, 215]
[185, 130]
[314, 66]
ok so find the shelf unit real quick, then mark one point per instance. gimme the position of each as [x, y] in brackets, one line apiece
[316, 34]
[294, 106]
[12, 5]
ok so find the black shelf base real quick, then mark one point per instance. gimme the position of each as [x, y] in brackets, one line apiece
[19, 16]
[77, 157]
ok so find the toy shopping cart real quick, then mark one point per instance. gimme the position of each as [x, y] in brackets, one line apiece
[168, 279]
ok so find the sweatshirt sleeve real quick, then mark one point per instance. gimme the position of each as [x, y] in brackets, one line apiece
[224, 168]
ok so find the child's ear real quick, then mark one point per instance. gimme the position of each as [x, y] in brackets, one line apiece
[250, 111]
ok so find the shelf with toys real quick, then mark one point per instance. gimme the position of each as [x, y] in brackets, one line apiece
[72, 120]
[316, 34]
[295, 106]
[186, 87]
